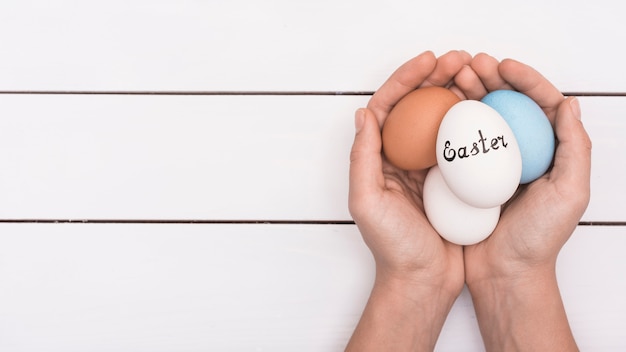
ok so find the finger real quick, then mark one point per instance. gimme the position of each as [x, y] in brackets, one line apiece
[458, 91]
[404, 80]
[572, 160]
[366, 176]
[448, 65]
[486, 67]
[470, 84]
[527, 80]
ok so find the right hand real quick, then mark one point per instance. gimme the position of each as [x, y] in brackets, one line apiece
[542, 215]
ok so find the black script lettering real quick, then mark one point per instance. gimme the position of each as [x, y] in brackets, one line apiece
[494, 143]
[504, 144]
[483, 140]
[475, 148]
[448, 153]
[463, 153]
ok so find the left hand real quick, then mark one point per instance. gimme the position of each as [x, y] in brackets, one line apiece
[385, 201]
[419, 275]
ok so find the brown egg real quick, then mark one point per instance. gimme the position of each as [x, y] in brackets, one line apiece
[410, 130]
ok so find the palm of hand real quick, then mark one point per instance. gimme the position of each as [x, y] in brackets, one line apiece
[525, 237]
[419, 245]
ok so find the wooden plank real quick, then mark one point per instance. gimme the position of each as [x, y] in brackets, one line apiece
[175, 156]
[586, 268]
[608, 159]
[302, 46]
[77, 287]
[180, 287]
[215, 157]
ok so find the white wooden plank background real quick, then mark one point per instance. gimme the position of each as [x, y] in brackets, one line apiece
[233, 157]
[215, 157]
[77, 287]
[322, 45]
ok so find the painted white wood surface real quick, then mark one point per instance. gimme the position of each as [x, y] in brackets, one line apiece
[89, 287]
[216, 157]
[295, 45]
[238, 287]
[188, 157]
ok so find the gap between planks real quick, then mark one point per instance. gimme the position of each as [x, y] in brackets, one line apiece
[233, 222]
[243, 93]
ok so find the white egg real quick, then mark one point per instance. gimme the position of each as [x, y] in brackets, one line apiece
[453, 219]
[478, 154]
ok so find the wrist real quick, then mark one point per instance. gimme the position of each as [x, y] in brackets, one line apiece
[425, 295]
[508, 270]
[510, 279]
[425, 303]
[523, 312]
[421, 285]
[403, 313]
[507, 289]
[418, 289]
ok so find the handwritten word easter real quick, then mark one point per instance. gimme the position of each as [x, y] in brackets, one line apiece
[480, 146]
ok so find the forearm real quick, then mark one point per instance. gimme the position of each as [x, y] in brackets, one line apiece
[522, 314]
[401, 316]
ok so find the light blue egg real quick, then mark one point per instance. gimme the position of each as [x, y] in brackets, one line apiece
[531, 128]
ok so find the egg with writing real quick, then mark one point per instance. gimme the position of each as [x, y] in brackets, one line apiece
[478, 155]
[410, 130]
[531, 127]
[453, 219]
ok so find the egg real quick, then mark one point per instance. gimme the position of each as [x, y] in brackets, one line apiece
[478, 154]
[410, 130]
[452, 218]
[531, 127]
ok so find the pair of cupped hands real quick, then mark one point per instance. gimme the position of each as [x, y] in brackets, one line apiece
[386, 202]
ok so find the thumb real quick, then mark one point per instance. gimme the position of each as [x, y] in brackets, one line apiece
[366, 177]
[572, 160]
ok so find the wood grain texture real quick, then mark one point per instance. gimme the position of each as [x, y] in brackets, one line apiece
[285, 45]
[228, 158]
[77, 287]
[215, 157]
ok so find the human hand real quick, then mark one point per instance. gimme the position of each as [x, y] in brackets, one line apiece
[418, 273]
[385, 201]
[517, 262]
[542, 215]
